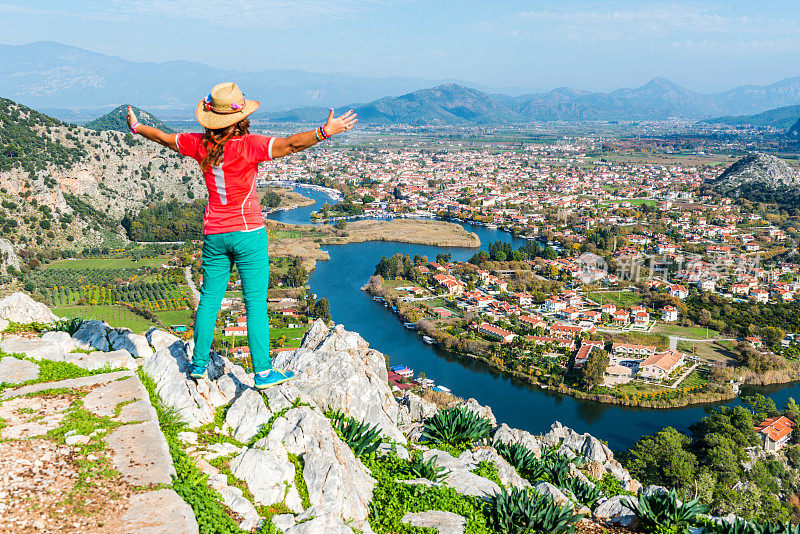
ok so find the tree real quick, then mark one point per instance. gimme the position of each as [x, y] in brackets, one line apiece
[772, 335]
[663, 458]
[296, 275]
[593, 370]
[761, 406]
[341, 224]
[791, 410]
[322, 309]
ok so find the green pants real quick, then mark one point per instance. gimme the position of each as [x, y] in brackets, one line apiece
[248, 250]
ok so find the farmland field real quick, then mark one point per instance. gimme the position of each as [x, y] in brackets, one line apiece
[293, 335]
[106, 263]
[624, 299]
[116, 316]
[175, 317]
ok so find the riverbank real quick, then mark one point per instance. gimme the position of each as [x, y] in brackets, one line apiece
[304, 241]
[541, 374]
[289, 200]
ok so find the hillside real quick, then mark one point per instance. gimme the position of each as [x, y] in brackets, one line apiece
[780, 118]
[116, 120]
[760, 178]
[72, 185]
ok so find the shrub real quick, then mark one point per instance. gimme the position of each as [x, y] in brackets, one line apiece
[523, 459]
[521, 511]
[586, 493]
[740, 526]
[362, 438]
[455, 426]
[663, 510]
[427, 469]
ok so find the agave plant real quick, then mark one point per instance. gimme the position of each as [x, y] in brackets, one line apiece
[557, 469]
[663, 510]
[740, 526]
[362, 438]
[455, 426]
[522, 458]
[427, 469]
[586, 493]
[523, 511]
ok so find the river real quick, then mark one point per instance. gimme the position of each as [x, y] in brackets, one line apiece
[514, 402]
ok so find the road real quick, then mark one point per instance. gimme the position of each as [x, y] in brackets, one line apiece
[193, 287]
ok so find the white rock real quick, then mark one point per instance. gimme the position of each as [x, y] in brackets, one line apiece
[509, 476]
[505, 434]
[319, 520]
[460, 478]
[98, 360]
[336, 480]
[63, 339]
[341, 373]
[233, 499]
[584, 445]
[615, 510]
[415, 408]
[92, 335]
[3, 325]
[246, 415]
[159, 339]
[269, 475]
[483, 411]
[558, 496]
[16, 371]
[136, 344]
[8, 256]
[188, 437]
[21, 308]
[36, 349]
[442, 522]
[77, 439]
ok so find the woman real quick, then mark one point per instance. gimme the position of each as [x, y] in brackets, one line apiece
[233, 226]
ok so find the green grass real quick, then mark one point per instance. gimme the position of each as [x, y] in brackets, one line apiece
[694, 379]
[624, 299]
[175, 317]
[106, 263]
[293, 335]
[690, 332]
[116, 316]
[50, 371]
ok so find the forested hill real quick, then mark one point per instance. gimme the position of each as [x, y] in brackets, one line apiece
[117, 120]
[81, 182]
[28, 140]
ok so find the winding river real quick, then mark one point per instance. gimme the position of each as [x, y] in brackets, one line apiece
[514, 402]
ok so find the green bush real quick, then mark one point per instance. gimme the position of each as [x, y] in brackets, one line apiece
[740, 526]
[523, 459]
[456, 426]
[362, 438]
[427, 469]
[521, 511]
[663, 510]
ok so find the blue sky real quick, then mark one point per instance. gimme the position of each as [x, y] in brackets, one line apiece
[501, 43]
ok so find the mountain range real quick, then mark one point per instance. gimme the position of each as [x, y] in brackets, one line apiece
[782, 118]
[76, 84]
[455, 105]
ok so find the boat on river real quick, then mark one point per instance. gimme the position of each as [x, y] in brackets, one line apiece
[377, 299]
[429, 340]
[410, 326]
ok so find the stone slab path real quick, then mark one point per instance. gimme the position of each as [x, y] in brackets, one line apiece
[95, 444]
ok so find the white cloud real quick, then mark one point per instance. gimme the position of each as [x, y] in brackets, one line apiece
[626, 22]
[245, 14]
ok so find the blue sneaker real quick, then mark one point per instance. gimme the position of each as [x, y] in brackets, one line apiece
[198, 372]
[273, 377]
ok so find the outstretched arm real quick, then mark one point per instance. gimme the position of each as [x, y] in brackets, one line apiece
[284, 146]
[153, 134]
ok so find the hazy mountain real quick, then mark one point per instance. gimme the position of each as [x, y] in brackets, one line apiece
[452, 104]
[76, 84]
[760, 178]
[117, 120]
[73, 83]
[781, 118]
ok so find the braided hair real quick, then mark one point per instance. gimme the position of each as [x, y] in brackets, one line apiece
[214, 141]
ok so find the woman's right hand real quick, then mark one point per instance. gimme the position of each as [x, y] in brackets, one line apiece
[340, 124]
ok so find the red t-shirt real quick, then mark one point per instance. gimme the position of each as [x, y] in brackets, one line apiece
[233, 205]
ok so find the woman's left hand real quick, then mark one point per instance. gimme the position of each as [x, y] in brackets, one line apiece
[131, 118]
[341, 124]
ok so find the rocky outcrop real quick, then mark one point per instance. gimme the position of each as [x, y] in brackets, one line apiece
[8, 257]
[246, 415]
[336, 480]
[21, 308]
[269, 475]
[508, 435]
[335, 369]
[760, 178]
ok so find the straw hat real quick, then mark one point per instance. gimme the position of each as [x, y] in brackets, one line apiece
[225, 105]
